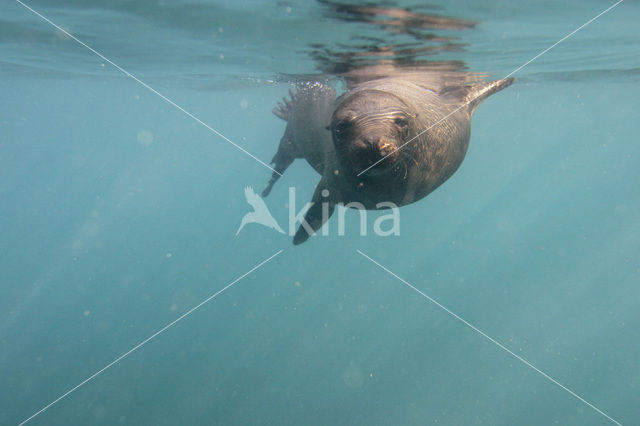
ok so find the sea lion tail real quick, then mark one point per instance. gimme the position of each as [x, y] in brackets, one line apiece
[479, 92]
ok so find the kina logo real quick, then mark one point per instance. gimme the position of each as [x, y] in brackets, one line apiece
[260, 214]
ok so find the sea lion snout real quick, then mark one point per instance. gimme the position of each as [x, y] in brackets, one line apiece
[376, 147]
[385, 148]
[369, 126]
[364, 151]
[363, 141]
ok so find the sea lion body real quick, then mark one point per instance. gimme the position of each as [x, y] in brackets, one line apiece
[388, 140]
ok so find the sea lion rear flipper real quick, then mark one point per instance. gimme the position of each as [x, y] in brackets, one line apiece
[321, 209]
[284, 108]
[481, 91]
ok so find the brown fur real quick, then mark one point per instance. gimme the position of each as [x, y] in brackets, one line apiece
[342, 137]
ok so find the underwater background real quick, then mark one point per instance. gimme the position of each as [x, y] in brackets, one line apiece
[119, 212]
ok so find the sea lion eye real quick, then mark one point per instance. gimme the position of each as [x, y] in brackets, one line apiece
[401, 122]
[341, 128]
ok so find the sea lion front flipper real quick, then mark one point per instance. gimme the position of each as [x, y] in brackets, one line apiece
[321, 209]
[281, 161]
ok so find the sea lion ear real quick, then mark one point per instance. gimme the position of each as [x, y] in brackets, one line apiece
[328, 127]
[321, 209]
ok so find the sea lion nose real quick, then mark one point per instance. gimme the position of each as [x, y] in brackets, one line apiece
[378, 147]
[385, 148]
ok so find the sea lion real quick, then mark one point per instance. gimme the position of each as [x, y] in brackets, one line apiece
[392, 138]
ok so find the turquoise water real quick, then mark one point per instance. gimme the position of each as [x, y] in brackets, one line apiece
[118, 214]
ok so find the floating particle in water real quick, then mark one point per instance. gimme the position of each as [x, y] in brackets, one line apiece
[87, 231]
[297, 284]
[145, 137]
[86, 313]
[353, 376]
[168, 255]
[100, 412]
[244, 104]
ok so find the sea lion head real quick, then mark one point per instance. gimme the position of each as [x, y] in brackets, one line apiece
[369, 126]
